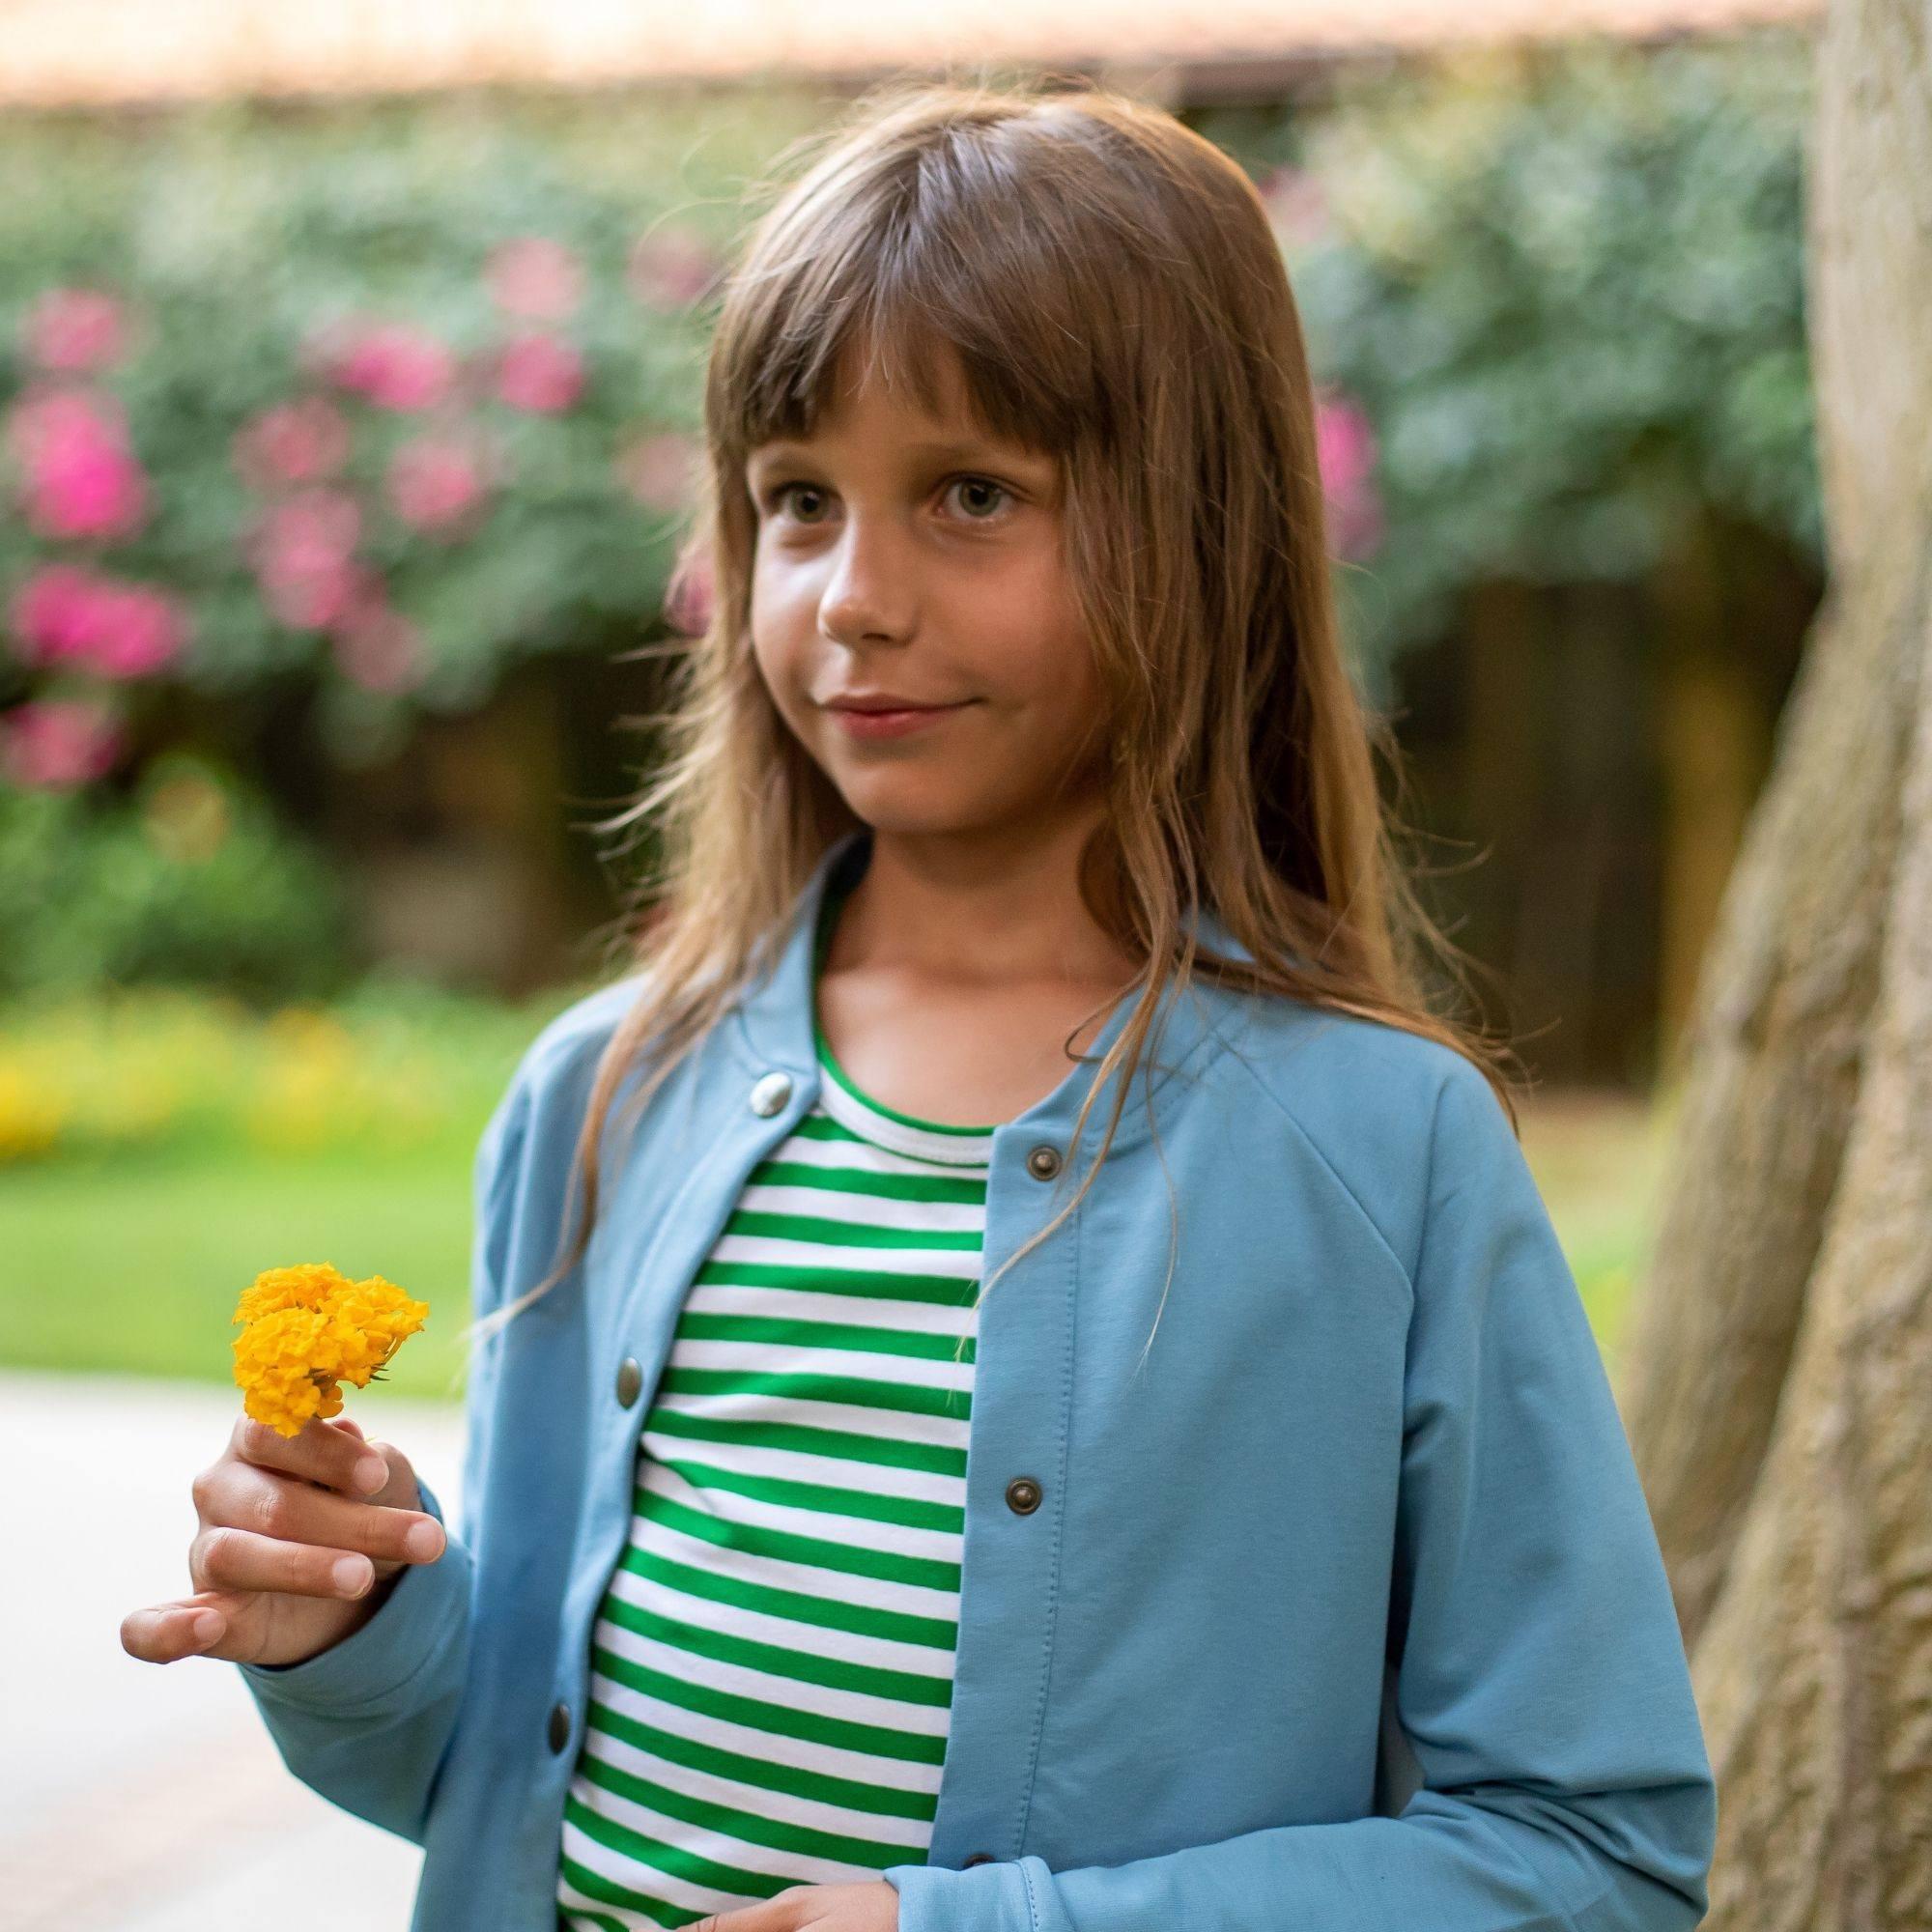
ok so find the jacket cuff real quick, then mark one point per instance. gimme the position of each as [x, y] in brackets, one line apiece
[936, 1898]
[372, 1665]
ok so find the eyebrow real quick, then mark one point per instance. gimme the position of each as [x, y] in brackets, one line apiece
[953, 451]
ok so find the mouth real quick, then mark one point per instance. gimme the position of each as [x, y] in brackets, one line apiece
[876, 721]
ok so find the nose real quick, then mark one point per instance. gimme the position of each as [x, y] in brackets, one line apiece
[870, 596]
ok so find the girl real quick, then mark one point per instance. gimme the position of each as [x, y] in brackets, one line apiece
[888, 1504]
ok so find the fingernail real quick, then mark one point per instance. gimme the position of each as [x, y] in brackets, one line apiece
[424, 1540]
[371, 1473]
[207, 1626]
[350, 1573]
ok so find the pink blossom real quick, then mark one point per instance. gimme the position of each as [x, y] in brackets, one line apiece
[671, 268]
[1346, 449]
[539, 372]
[1297, 204]
[434, 482]
[54, 743]
[52, 615]
[536, 276]
[139, 630]
[380, 649]
[391, 364]
[71, 328]
[660, 471]
[688, 597]
[302, 551]
[81, 480]
[64, 613]
[301, 441]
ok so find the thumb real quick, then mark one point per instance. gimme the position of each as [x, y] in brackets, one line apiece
[349, 1423]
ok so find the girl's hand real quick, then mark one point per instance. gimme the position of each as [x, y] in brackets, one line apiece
[279, 1514]
[872, 1907]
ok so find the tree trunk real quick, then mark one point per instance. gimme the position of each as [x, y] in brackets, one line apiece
[1777, 1380]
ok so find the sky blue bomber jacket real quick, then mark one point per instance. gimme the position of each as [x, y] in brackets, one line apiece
[1341, 1611]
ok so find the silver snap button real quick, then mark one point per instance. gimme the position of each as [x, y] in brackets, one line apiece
[1023, 1495]
[630, 1379]
[771, 1094]
[559, 1726]
[1043, 1162]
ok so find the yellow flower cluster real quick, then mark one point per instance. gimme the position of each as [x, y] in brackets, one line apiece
[309, 1328]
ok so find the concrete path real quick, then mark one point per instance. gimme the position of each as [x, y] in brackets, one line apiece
[149, 1798]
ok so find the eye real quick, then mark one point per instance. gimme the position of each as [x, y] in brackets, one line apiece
[775, 497]
[979, 487]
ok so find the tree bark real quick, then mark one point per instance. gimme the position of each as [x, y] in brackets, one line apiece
[1777, 1380]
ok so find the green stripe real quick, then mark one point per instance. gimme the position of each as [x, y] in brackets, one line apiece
[776, 1835]
[962, 1189]
[673, 1860]
[854, 1391]
[785, 1546]
[795, 1780]
[943, 1291]
[833, 1673]
[613, 1893]
[830, 1233]
[826, 1612]
[697, 1325]
[759, 1714]
[932, 1459]
[908, 1512]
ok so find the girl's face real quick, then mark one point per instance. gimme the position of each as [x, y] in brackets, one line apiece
[907, 554]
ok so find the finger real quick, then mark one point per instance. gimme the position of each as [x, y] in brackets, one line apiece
[164, 1632]
[227, 1558]
[318, 1451]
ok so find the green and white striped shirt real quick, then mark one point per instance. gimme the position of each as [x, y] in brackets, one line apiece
[771, 1662]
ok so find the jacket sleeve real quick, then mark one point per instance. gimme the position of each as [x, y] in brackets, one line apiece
[1539, 1674]
[366, 1721]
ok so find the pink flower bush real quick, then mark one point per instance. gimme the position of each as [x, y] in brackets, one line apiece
[301, 441]
[303, 554]
[55, 744]
[65, 613]
[542, 373]
[660, 471]
[671, 268]
[392, 365]
[380, 648]
[536, 277]
[74, 331]
[437, 482]
[81, 480]
[1346, 449]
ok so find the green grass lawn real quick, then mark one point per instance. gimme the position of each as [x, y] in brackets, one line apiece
[132, 1262]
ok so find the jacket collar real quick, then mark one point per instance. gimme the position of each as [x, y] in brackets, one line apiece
[774, 1014]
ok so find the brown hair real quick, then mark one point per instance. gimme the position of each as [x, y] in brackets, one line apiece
[1113, 293]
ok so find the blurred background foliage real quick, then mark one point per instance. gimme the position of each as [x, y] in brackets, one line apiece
[348, 448]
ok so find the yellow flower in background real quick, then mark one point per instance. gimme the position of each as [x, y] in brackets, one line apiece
[309, 1328]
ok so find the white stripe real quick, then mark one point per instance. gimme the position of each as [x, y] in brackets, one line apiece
[869, 1210]
[806, 1304]
[842, 1472]
[853, 1419]
[960, 1265]
[885, 1367]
